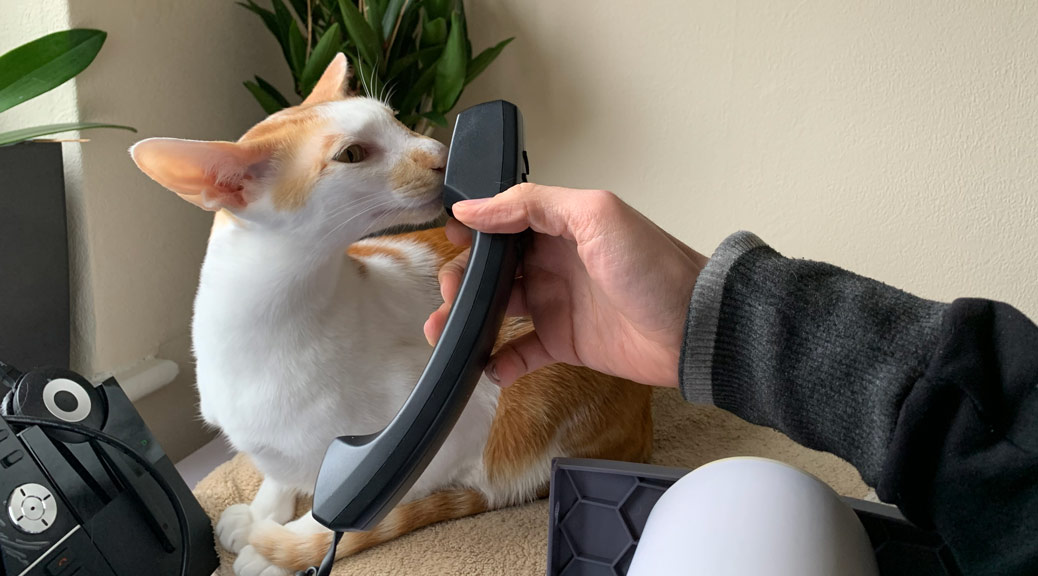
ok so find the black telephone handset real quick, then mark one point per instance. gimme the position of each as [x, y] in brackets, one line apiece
[363, 477]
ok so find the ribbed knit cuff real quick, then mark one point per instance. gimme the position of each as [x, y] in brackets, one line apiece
[697, 352]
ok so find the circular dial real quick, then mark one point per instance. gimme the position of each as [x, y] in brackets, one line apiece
[32, 508]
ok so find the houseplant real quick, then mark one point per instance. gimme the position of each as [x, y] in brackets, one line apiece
[34, 294]
[42, 65]
[413, 54]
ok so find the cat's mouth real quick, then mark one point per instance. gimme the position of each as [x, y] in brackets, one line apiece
[412, 210]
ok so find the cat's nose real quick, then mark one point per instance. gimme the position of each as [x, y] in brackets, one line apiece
[438, 156]
[435, 159]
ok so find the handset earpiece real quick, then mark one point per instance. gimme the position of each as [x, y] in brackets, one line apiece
[57, 394]
[363, 477]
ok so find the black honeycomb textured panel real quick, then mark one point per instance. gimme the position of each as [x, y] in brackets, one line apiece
[599, 508]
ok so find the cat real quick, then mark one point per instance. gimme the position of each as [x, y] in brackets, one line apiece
[306, 328]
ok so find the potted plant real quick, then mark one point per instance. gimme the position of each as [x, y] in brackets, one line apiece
[413, 54]
[34, 296]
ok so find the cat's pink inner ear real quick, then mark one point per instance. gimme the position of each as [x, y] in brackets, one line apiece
[333, 83]
[210, 175]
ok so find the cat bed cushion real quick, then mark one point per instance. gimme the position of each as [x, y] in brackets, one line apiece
[514, 541]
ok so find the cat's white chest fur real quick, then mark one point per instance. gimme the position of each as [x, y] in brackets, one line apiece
[295, 348]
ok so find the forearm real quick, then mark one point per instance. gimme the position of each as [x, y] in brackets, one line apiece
[823, 355]
[935, 404]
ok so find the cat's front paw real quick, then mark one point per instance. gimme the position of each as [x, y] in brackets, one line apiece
[251, 563]
[234, 528]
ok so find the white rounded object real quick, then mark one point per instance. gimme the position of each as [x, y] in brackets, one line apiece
[752, 517]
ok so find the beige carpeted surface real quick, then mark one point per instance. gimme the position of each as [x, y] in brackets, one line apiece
[514, 541]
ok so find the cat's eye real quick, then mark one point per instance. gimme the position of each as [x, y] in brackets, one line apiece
[352, 154]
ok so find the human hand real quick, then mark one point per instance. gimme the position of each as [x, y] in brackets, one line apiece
[605, 287]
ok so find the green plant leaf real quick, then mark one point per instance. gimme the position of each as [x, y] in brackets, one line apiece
[418, 90]
[434, 32]
[290, 33]
[360, 32]
[368, 77]
[405, 41]
[411, 59]
[272, 22]
[478, 64]
[320, 57]
[435, 118]
[451, 67]
[46, 63]
[15, 136]
[270, 89]
[286, 23]
[268, 97]
[283, 14]
[297, 50]
[389, 18]
[439, 8]
[373, 13]
[266, 101]
[356, 65]
[268, 17]
[409, 120]
[299, 7]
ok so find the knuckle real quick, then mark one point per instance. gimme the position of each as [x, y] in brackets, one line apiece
[524, 188]
[603, 209]
[603, 201]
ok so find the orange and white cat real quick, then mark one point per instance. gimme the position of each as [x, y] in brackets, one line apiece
[299, 339]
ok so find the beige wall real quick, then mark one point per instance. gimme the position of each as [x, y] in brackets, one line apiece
[897, 139]
[169, 68]
[893, 138]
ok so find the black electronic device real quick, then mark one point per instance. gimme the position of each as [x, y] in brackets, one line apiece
[363, 477]
[34, 263]
[85, 487]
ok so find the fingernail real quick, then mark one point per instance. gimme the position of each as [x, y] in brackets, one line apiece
[492, 373]
[469, 204]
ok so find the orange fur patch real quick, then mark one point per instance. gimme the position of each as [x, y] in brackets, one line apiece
[416, 168]
[583, 413]
[283, 136]
[361, 251]
[433, 238]
[300, 551]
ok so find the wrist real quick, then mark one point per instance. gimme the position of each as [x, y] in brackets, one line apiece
[695, 364]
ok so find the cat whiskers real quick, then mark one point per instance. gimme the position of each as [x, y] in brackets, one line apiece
[349, 210]
[371, 89]
[367, 209]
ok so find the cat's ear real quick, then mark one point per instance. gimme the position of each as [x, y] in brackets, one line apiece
[333, 84]
[210, 175]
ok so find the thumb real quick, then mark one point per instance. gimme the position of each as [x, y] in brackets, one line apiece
[545, 209]
[518, 358]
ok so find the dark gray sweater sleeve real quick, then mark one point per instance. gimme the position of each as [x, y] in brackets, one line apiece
[935, 404]
[821, 354]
